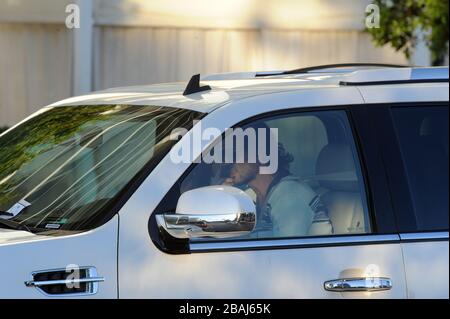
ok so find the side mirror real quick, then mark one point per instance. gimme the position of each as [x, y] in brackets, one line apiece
[213, 211]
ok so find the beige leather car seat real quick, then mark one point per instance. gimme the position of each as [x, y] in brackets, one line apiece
[339, 191]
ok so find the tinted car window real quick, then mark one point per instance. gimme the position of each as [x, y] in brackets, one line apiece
[423, 136]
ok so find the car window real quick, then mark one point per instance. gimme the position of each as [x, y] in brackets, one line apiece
[317, 187]
[64, 168]
[423, 137]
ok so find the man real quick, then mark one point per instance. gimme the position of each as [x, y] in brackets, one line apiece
[286, 206]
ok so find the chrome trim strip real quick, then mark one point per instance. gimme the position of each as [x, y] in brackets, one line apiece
[292, 243]
[63, 282]
[424, 236]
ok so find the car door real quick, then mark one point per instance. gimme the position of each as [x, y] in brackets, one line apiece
[360, 258]
[411, 124]
[416, 148]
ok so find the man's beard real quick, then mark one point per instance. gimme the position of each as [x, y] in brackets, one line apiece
[245, 180]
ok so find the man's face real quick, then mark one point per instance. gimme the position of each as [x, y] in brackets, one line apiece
[242, 173]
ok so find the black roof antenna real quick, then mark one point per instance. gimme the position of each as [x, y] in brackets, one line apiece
[194, 86]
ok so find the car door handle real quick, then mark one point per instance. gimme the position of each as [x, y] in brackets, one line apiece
[33, 283]
[66, 282]
[359, 284]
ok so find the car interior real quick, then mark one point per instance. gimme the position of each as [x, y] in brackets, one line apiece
[332, 170]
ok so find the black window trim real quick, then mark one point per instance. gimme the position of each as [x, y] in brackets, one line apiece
[380, 232]
[317, 242]
[294, 243]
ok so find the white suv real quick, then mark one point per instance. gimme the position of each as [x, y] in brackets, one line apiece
[109, 195]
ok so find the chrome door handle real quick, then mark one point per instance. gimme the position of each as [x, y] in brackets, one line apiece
[64, 282]
[359, 284]
[33, 283]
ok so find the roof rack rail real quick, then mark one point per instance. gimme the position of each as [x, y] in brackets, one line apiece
[407, 76]
[344, 83]
[333, 66]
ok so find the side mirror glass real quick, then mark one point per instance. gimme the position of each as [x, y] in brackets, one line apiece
[212, 211]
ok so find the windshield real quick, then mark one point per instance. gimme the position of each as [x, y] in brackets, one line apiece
[67, 167]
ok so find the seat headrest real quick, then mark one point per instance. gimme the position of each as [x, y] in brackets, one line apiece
[335, 168]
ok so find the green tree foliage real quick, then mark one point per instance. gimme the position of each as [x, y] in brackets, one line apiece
[401, 19]
[2, 129]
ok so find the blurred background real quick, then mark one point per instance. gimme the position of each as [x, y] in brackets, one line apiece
[131, 42]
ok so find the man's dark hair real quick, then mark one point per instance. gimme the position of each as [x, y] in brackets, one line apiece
[284, 160]
[284, 157]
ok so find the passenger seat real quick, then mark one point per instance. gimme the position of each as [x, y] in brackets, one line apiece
[337, 176]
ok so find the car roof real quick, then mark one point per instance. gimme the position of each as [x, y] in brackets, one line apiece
[229, 87]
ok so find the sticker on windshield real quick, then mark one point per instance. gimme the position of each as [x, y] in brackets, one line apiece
[53, 226]
[18, 207]
[56, 224]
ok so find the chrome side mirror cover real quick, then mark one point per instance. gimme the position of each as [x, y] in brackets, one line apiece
[212, 211]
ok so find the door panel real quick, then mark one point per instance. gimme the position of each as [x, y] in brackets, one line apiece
[290, 271]
[426, 267]
[22, 254]
[418, 172]
[278, 273]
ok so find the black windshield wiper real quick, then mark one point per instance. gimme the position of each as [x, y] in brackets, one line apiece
[14, 225]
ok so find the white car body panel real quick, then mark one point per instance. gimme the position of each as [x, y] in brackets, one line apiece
[282, 273]
[22, 253]
[170, 95]
[426, 268]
